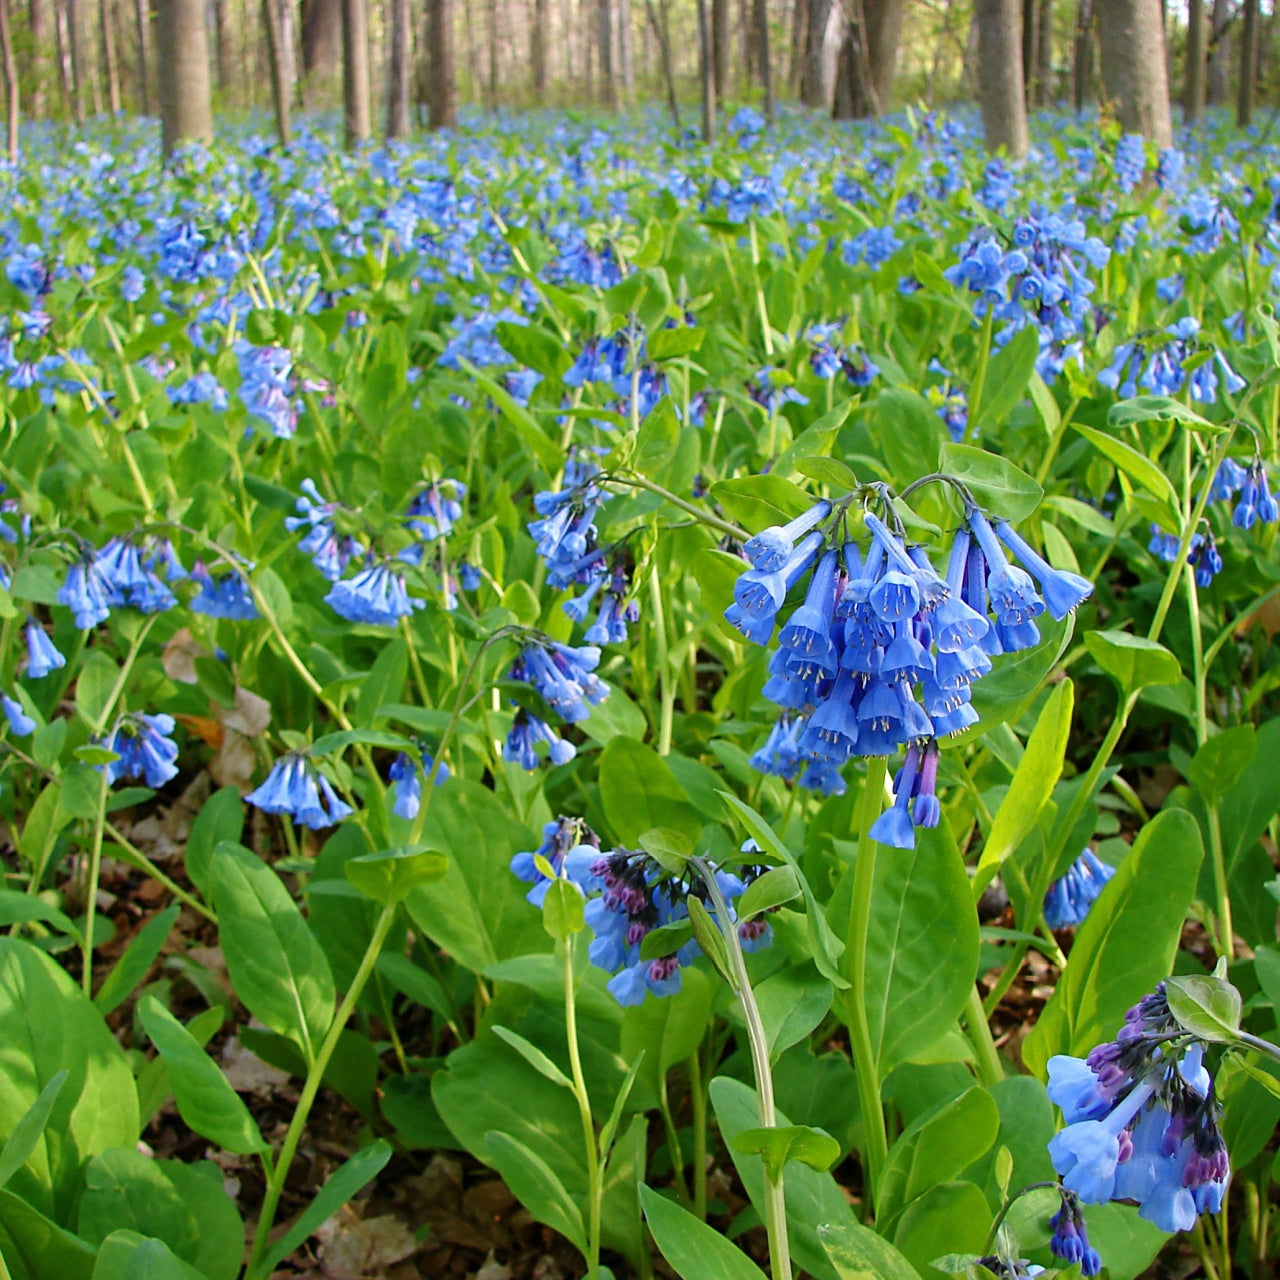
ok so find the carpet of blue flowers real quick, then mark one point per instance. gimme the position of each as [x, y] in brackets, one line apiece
[734, 687]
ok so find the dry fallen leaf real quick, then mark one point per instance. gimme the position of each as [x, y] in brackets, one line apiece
[234, 763]
[353, 1248]
[251, 714]
[180, 654]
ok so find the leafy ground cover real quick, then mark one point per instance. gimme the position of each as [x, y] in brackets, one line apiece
[579, 704]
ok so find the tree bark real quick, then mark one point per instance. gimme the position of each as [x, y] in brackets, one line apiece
[1082, 56]
[883, 22]
[626, 51]
[812, 83]
[1030, 25]
[538, 50]
[442, 103]
[799, 27]
[398, 69]
[10, 81]
[1219, 53]
[1193, 92]
[142, 26]
[357, 118]
[280, 87]
[857, 92]
[494, 78]
[221, 45]
[662, 31]
[1133, 67]
[706, 73]
[1000, 78]
[721, 46]
[1045, 59]
[747, 43]
[321, 45]
[107, 36]
[1248, 65]
[764, 55]
[605, 42]
[186, 113]
[75, 51]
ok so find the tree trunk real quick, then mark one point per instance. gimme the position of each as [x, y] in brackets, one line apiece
[398, 69]
[662, 31]
[494, 80]
[186, 112]
[1030, 26]
[857, 91]
[813, 82]
[10, 82]
[142, 27]
[280, 87]
[883, 24]
[321, 47]
[1044, 60]
[1082, 56]
[442, 104]
[626, 51]
[746, 43]
[605, 42]
[706, 73]
[799, 27]
[1248, 64]
[538, 51]
[1133, 67]
[357, 118]
[763, 53]
[1000, 79]
[107, 36]
[1193, 95]
[75, 56]
[1219, 53]
[221, 46]
[721, 46]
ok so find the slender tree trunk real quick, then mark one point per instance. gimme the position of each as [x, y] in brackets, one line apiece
[883, 25]
[764, 55]
[605, 43]
[857, 85]
[142, 35]
[721, 46]
[443, 100]
[186, 112]
[1193, 95]
[398, 65]
[280, 87]
[626, 51]
[1219, 53]
[795, 64]
[75, 56]
[1248, 65]
[357, 118]
[33, 70]
[662, 31]
[1044, 60]
[222, 45]
[538, 51]
[1000, 78]
[10, 81]
[706, 73]
[321, 49]
[66, 75]
[107, 35]
[1082, 56]
[1030, 25]
[813, 82]
[1133, 67]
[494, 81]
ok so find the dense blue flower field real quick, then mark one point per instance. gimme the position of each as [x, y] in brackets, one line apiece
[736, 687]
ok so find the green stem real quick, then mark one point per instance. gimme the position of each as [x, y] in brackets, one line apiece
[280, 1171]
[674, 1149]
[760, 303]
[698, 1104]
[591, 1146]
[1055, 441]
[980, 374]
[666, 685]
[712, 522]
[990, 1068]
[775, 1200]
[91, 890]
[134, 856]
[876, 1136]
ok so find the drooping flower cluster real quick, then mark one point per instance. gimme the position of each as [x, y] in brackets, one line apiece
[1142, 1121]
[20, 724]
[527, 731]
[563, 675]
[377, 595]
[43, 656]
[144, 750]
[406, 773]
[225, 596]
[560, 838]
[883, 651]
[296, 788]
[828, 357]
[125, 573]
[1071, 895]
[1070, 1239]
[565, 531]
[1160, 368]
[267, 386]
[330, 551]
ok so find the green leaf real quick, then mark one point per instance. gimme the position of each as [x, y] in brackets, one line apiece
[657, 438]
[48, 1026]
[1207, 1007]
[543, 352]
[935, 1147]
[562, 910]
[1157, 409]
[995, 481]
[138, 958]
[1008, 374]
[1033, 781]
[205, 1099]
[1218, 765]
[813, 442]
[639, 792]
[92, 753]
[757, 502]
[857, 1253]
[792, 1003]
[1126, 944]
[1264, 1077]
[1134, 662]
[353, 1175]
[26, 1133]
[536, 1186]
[692, 1247]
[826, 946]
[665, 939]
[710, 939]
[521, 420]
[275, 963]
[681, 341]
[220, 821]
[669, 1030]
[1137, 466]
[128, 1255]
[953, 1216]
[777, 886]
[533, 1056]
[780, 1145]
[388, 877]
[385, 682]
[344, 738]
[837, 475]
[922, 947]
[671, 849]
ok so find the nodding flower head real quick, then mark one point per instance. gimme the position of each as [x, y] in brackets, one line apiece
[144, 750]
[1071, 895]
[295, 788]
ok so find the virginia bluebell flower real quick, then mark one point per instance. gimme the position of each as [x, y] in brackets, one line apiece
[771, 389]
[1256, 502]
[1130, 161]
[436, 509]
[42, 654]
[86, 591]
[330, 551]
[563, 675]
[1142, 1121]
[294, 787]
[227, 596]
[1070, 1240]
[1071, 895]
[375, 596]
[267, 386]
[20, 724]
[406, 773]
[129, 581]
[565, 532]
[143, 750]
[560, 838]
[527, 730]
[1204, 557]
